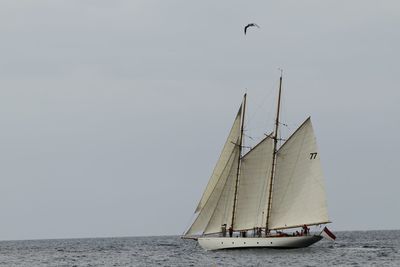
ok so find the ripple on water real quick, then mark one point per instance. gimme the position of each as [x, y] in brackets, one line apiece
[351, 249]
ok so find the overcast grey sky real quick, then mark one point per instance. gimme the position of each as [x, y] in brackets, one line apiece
[113, 113]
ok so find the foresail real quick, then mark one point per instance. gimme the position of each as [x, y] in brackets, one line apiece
[206, 218]
[224, 208]
[255, 170]
[219, 183]
[226, 153]
[298, 191]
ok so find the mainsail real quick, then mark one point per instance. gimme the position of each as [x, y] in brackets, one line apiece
[255, 169]
[298, 192]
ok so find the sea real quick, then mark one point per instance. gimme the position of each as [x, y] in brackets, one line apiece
[351, 248]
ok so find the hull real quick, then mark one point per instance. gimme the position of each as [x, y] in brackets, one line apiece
[215, 243]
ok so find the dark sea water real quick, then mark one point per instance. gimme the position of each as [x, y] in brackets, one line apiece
[370, 248]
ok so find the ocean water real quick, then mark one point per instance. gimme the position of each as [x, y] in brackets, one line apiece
[360, 248]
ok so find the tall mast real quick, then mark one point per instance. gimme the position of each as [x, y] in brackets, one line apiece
[239, 159]
[275, 137]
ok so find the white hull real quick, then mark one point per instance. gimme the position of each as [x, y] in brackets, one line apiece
[214, 243]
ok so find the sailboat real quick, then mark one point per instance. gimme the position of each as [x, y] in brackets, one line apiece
[252, 200]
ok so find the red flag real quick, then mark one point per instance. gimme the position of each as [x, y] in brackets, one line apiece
[328, 234]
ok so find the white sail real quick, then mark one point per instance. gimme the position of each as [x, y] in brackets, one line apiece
[229, 147]
[255, 170]
[215, 199]
[219, 182]
[298, 196]
[224, 208]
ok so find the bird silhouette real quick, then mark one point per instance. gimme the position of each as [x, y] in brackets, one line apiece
[250, 25]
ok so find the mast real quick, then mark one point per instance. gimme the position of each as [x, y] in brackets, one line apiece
[275, 137]
[239, 159]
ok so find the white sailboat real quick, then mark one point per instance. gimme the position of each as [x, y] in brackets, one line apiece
[251, 199]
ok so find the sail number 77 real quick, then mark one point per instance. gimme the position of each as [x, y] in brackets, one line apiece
[313, 155]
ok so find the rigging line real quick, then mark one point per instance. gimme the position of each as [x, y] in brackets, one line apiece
[255, 131]
[248, 136]
[269, 135]
[242, 146]
[289, 126]
[258, 107]
[257, 139]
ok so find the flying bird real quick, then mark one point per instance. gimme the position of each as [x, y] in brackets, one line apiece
[250, 25]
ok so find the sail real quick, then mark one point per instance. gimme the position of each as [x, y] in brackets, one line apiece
[229, 147]
[298, 196]
[208, 216]
[224, 208]
[255, 170]
[219, 185]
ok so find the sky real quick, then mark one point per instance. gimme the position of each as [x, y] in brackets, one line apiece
[113, 113]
